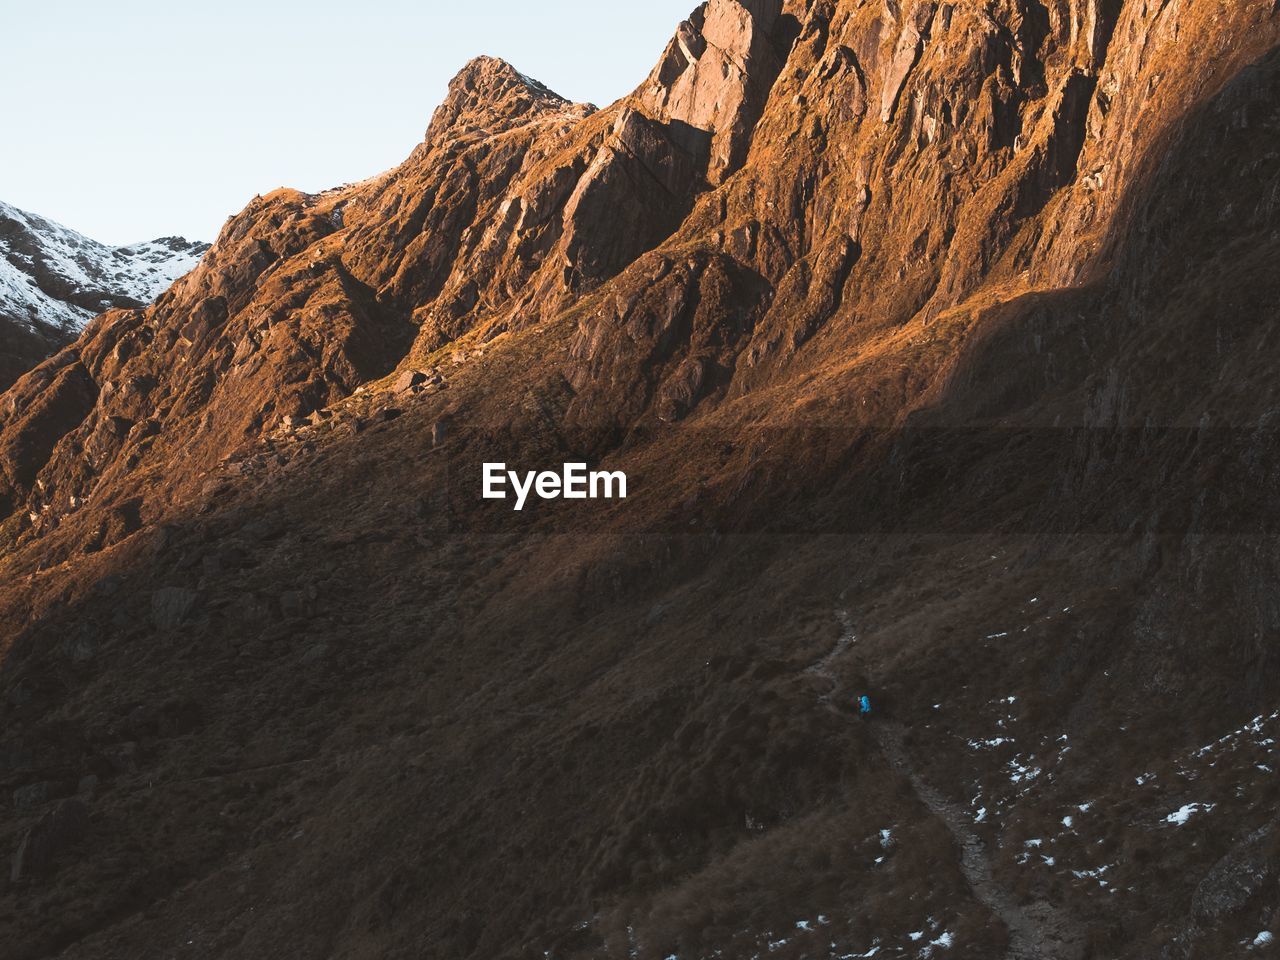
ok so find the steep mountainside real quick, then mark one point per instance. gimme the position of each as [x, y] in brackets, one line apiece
[53, 281]
[938, 343]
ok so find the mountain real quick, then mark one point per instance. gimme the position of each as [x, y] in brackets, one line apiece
[53, 281]
[938, 345]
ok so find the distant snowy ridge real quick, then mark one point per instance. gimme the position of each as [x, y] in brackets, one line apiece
[54, 280]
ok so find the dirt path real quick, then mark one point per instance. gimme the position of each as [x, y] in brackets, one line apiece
[822, 668]
[1036, 932]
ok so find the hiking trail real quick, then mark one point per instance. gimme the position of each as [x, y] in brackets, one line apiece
[822, 668]
[1038, 931]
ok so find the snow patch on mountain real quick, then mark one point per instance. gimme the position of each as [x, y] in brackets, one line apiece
[53, 277]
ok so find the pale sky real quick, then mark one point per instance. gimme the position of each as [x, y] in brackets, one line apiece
[133, 119]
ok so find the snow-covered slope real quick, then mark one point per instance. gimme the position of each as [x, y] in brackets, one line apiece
[54, 280]
[51, 276]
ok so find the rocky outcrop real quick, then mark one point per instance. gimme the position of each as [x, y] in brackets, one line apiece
[712, 82]
[36, 854]
[1236, 883]
[906, 53]
[679, 321]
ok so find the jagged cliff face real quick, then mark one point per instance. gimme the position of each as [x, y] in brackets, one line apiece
[937, 341]
[840, 170]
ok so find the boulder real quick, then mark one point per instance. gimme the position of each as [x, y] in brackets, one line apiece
[1237, 877]
[170, 606]
[315, 654]
[87, 788]
[293, 604]
[122, 757]
[82, 646]
[30, 797]
[54, 832]
[409, 380]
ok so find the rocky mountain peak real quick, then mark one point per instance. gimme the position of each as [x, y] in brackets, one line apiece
[713, 78]
[490, 94]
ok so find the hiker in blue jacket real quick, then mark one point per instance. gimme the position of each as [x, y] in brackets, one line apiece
[863, 706]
